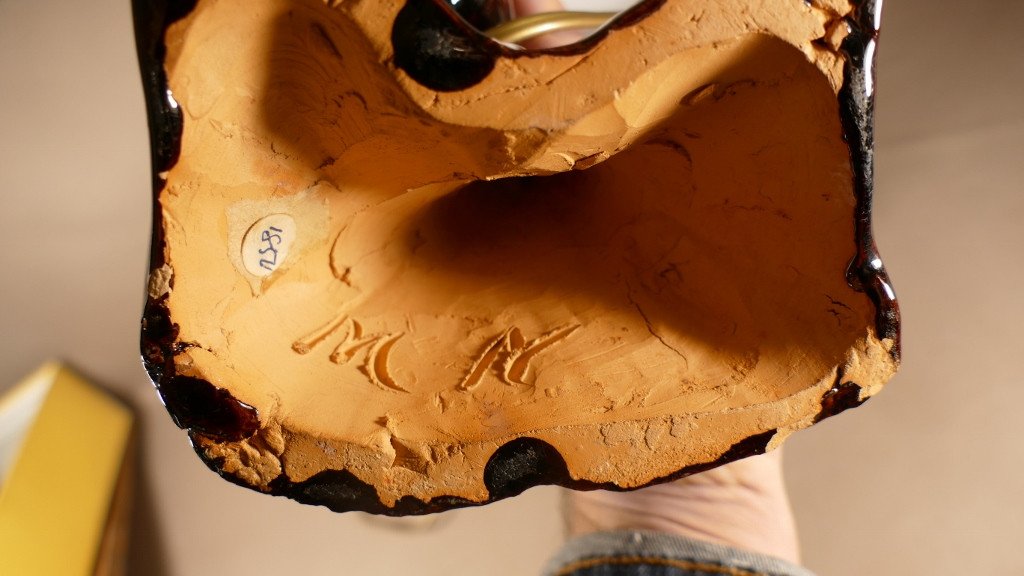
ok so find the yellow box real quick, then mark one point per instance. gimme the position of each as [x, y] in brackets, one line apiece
[65, 468]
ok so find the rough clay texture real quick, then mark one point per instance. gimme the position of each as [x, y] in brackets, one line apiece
[635, 254]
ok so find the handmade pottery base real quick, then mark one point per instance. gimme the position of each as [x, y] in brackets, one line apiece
[399, 279]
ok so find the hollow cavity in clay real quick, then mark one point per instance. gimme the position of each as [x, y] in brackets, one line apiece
[377, 287]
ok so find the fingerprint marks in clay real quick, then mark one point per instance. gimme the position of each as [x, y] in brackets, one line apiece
[509, 354]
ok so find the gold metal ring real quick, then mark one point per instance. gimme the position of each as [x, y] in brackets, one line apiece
[527, 27]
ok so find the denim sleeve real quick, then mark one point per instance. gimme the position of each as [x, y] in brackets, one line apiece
[634, 553]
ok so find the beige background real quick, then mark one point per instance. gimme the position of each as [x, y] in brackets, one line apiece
[924, 479]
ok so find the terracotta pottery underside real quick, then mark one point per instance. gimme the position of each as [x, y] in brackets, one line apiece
[399, 267]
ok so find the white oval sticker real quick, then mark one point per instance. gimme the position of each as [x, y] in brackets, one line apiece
[266, 244]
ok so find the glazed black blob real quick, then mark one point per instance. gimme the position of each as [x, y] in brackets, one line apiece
[840, 397]
[857, 112]
[157, 341]
[751, 446]
[151, 20]
[199, 406]
[437, 50]
[338, 490]
[524, 463]
[342, 491]
[483, 14]
[193, 403]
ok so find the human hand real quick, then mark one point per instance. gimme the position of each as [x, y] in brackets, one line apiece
[742, 504]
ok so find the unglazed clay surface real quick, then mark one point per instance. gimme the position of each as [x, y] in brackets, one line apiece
[629, 258]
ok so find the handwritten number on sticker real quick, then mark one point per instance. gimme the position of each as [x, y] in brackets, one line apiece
[271, 237]
[267, 243]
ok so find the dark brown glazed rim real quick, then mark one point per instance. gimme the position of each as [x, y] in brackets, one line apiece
[211, 413]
